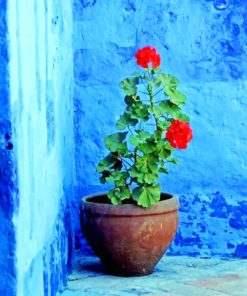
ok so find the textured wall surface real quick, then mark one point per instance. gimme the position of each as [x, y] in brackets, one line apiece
[41, 73]
[8, 196]
[204, 44]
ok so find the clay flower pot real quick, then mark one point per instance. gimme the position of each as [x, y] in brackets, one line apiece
[128, 239]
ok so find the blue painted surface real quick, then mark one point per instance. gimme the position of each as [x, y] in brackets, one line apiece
[201, 42]
[204, 44]
[57, 255]
[8, 189]
[36, 154]
[42, 108]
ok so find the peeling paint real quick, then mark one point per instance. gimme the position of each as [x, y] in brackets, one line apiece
[204, 44]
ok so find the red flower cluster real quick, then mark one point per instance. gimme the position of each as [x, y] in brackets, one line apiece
[147, 55]
[179, 134]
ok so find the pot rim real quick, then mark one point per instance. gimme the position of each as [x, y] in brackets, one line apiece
[163, 206]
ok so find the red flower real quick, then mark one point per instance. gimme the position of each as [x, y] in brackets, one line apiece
[179, 134]
[147, 55]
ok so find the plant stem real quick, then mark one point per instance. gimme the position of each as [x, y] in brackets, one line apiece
[125, 166]
[130, 130]
[135, 156]
[151, 97]
[158, 92]
[143, 92]
[125, 161]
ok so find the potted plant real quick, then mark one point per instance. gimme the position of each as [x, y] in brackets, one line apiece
[131, 226]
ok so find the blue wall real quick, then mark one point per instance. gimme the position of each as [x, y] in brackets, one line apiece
[204, 44]
[8, 188]
[42, 117]
[36, 146]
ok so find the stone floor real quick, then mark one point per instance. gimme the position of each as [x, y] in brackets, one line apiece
[174, 276]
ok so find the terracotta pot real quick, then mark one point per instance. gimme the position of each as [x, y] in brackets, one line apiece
[128, 239]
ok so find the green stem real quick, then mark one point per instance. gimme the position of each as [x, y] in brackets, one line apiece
[135, 156]
[125, 166]
[143, 92]
[158, 92]
[125, 161]
[130, 130]
[151, 97]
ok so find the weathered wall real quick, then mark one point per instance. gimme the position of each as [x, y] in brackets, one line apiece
[8, 189]
[41, 72]
[204, 44]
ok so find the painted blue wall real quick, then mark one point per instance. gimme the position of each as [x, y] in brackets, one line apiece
[41, 91]
[36, 146]
[8, 182]
[204, 44]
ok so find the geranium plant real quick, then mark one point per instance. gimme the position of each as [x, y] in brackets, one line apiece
[150, 128]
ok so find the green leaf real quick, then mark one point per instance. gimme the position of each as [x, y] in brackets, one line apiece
[173, 160]
[106, 163]
[138, 111]
[145, 170]
[157, 111]
[143, 135]
[182, 117]
[103, 177]
[168, 146]
[123, 193]
[163, 170]
[112, 196]
[134, 140]
[115, 143]
[116, 138]
[164, 124]
[170, 84]
[134, 173]
[155, 84]
[147, 148]
[166, 151]
[167, 81]
[141, 112]
[147, 196]
[142, 164]
[119, 178]
[146, 163]
[129, 85]
[137, 175]
[144, 177]
[175, 96]
[150, 178]
[174, 111]
[167, 107]
[130, 100]
[125, 120]
[118, 194]
[139, 75]
[139, 138]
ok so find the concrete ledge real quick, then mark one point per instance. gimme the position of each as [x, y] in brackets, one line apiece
[174, 276]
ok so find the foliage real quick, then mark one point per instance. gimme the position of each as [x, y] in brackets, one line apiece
[140, 151]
